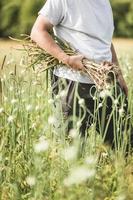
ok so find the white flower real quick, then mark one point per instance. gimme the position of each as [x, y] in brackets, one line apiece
[10, 61]
[116, 102]
[73, 133]
[29, 108]
[10, 119]
[11, 88]
[50, 101]
[78, 124]
[4, 76]
[42, 138]
[21, 92]
[121, 197]
[118, 129]
[100, 105]
[13, 101]
[70, 153]
[81, 102]
[52, 120]
[121, 111]
[33, 125]
[78, 175]
[63, 93]
[23, 71]
[24, 100]
[104, 93]
[94, 98]
[31, 181]
[41, 146]
[57, 96]
[39, 95]
[38, 74]
[5, 98]
[35, 83]
[1, 110]
[37, 108]
[91, 160]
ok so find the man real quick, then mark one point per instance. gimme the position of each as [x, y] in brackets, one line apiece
[88, 27]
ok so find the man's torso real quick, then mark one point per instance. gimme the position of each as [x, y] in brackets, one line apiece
[87, 26]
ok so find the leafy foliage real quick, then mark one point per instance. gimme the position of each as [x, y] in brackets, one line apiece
[123, 17]
[17, 16]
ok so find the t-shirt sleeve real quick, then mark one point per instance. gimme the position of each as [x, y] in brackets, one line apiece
[53, 11]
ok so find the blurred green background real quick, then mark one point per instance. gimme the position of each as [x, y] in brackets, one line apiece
[17, 16]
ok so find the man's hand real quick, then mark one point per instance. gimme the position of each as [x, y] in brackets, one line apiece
[75, 62]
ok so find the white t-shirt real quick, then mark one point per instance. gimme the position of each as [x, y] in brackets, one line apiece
[88, 27]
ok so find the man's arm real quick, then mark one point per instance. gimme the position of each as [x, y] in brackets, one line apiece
[120, 76]
[40, 34]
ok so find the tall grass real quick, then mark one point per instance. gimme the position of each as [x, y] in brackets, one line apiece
[39, 162]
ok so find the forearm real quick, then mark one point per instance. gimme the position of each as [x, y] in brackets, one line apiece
[40, 35]
[45, 41]
[115, 58]
[120, 78]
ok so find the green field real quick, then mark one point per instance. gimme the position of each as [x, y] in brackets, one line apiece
[37, 160]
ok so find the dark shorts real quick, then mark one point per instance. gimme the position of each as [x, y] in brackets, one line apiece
[104, 112]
